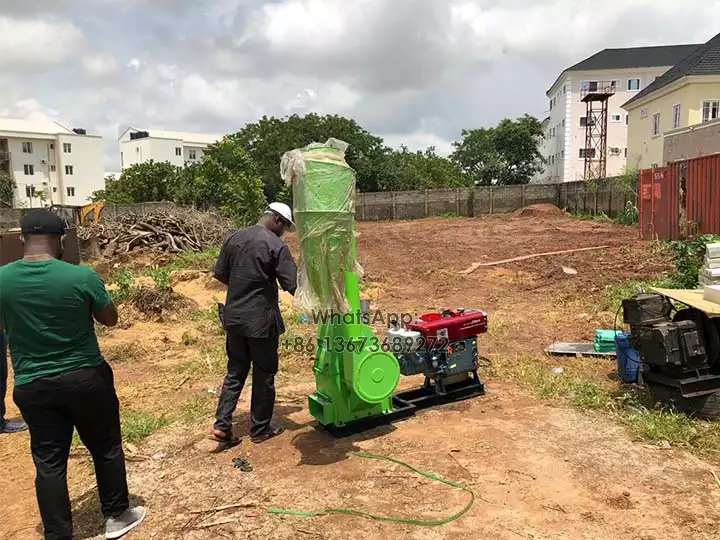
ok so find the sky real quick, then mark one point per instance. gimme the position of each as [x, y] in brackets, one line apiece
[416, 72]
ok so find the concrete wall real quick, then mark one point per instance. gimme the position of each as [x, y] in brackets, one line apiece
[81, 170]
[694, 141]
[608, 198]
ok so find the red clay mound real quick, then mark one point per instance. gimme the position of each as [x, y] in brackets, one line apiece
[539, 210]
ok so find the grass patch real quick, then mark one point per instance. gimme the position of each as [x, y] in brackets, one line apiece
[197, 409]
[212, 362]
[631, 407]
[209, 320]
[612, 300]
[123, 352]
[138, 425]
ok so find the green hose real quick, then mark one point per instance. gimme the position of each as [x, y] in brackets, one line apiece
[429, 523]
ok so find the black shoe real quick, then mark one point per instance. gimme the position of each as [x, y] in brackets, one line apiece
[268, 433]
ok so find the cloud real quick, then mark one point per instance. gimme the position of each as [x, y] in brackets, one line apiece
[26, 43]
[418, 71]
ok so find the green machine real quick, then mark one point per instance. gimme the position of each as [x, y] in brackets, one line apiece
[355, 377]
[356, 373]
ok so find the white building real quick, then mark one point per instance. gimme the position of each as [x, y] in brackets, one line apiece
[50, 163]
[628, 71]
[179, 148]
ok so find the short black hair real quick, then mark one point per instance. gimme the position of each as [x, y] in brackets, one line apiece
[42, 222]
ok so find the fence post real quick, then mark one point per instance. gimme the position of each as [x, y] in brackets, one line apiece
[362, 205]
[427, 203]
[457, 202]
[394, 211]
[492, 200]
[522, 196]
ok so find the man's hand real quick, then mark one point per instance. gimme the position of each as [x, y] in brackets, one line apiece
[108, 316]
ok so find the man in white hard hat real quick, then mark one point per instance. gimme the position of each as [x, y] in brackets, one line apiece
[251, 263]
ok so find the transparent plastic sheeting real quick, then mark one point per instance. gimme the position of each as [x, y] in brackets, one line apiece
[323, 187]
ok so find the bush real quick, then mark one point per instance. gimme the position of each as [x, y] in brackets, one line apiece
[688, 256]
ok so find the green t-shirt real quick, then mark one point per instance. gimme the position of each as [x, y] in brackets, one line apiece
[46, 310]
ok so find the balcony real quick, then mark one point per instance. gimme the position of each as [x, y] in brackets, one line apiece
[597, 90]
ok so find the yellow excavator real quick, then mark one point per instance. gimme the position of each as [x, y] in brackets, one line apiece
[80, 215]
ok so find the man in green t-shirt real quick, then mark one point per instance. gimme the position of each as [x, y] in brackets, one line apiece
[47, 309]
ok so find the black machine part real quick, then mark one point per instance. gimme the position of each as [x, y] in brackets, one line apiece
[708, 330]
[672, 344]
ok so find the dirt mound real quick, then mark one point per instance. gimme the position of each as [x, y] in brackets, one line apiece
[537, 210]
[151, 301]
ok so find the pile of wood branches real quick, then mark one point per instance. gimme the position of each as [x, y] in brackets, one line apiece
[163, 232]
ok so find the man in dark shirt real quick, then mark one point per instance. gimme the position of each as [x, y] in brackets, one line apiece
[251, 263]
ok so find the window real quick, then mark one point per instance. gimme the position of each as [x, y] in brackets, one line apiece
[615, 151]
[676, 116]
[67, 148]
[565, 89]
[656, 125]
[616, 118]
[178, 151]
[70, 191]
[551, 102]
[585, 153]
[29, 170]
[562, 154]
[29, 191]
[584, 122]
[69, 170]
[52, 146]
[588, 86]
[52, 168]
[633, 85]
[627, 119]
[563, 123]
[626, 152]
[27, 148]
[54, 190]
[192, 154]
[711, 110]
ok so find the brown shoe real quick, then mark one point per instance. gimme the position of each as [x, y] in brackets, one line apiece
[224, 437]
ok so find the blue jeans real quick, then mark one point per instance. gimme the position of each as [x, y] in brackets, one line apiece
[3, 376]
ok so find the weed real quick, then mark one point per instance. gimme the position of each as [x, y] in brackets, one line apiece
[161, 277]
[448, 215]
[197, 409]
[190, 338]
[138, 425]
[617, 293]
[209, 319]
[213, 362]
[123, 352]
[688, 256]
[121, 282]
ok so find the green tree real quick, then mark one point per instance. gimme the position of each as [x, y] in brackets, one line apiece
[226, 179]
[268, 139]
[7, 190]
[406, 171]
[143, 182]
[505, 154]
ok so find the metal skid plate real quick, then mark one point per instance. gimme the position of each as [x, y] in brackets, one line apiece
[406, 404]
[578, 349]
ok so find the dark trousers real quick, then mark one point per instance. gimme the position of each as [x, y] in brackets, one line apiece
[83, 399]
[3, 377]
[242, 353]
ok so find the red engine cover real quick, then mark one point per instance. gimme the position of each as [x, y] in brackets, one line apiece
[453, 326]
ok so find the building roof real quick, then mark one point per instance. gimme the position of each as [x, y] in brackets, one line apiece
[186, 137]
[42, 127]
[703, 60]
[632, 57]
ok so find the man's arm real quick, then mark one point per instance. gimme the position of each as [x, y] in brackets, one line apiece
[286, 270]
[222, 265]
[102, 306]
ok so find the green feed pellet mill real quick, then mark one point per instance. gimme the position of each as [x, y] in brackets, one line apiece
[356, 372]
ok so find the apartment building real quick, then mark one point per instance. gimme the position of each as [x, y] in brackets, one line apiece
[627, 71]
[50, 163]
[674, 117]
[179, 148]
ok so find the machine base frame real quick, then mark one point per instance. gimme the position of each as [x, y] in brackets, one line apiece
[407, 403]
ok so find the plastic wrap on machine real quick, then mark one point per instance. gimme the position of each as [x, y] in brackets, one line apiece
[323, 187]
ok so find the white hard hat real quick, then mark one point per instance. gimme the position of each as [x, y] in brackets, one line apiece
[282, 210]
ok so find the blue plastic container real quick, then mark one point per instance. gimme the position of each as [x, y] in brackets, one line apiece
[628, 359]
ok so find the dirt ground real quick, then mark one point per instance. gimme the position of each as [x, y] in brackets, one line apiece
[538, 471]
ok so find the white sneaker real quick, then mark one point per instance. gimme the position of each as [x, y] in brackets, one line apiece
[123, 524]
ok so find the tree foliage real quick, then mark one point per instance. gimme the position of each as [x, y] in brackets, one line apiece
[151, 181]
[268, 139]
[7, 190]
[505, 154]
[407, 171]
